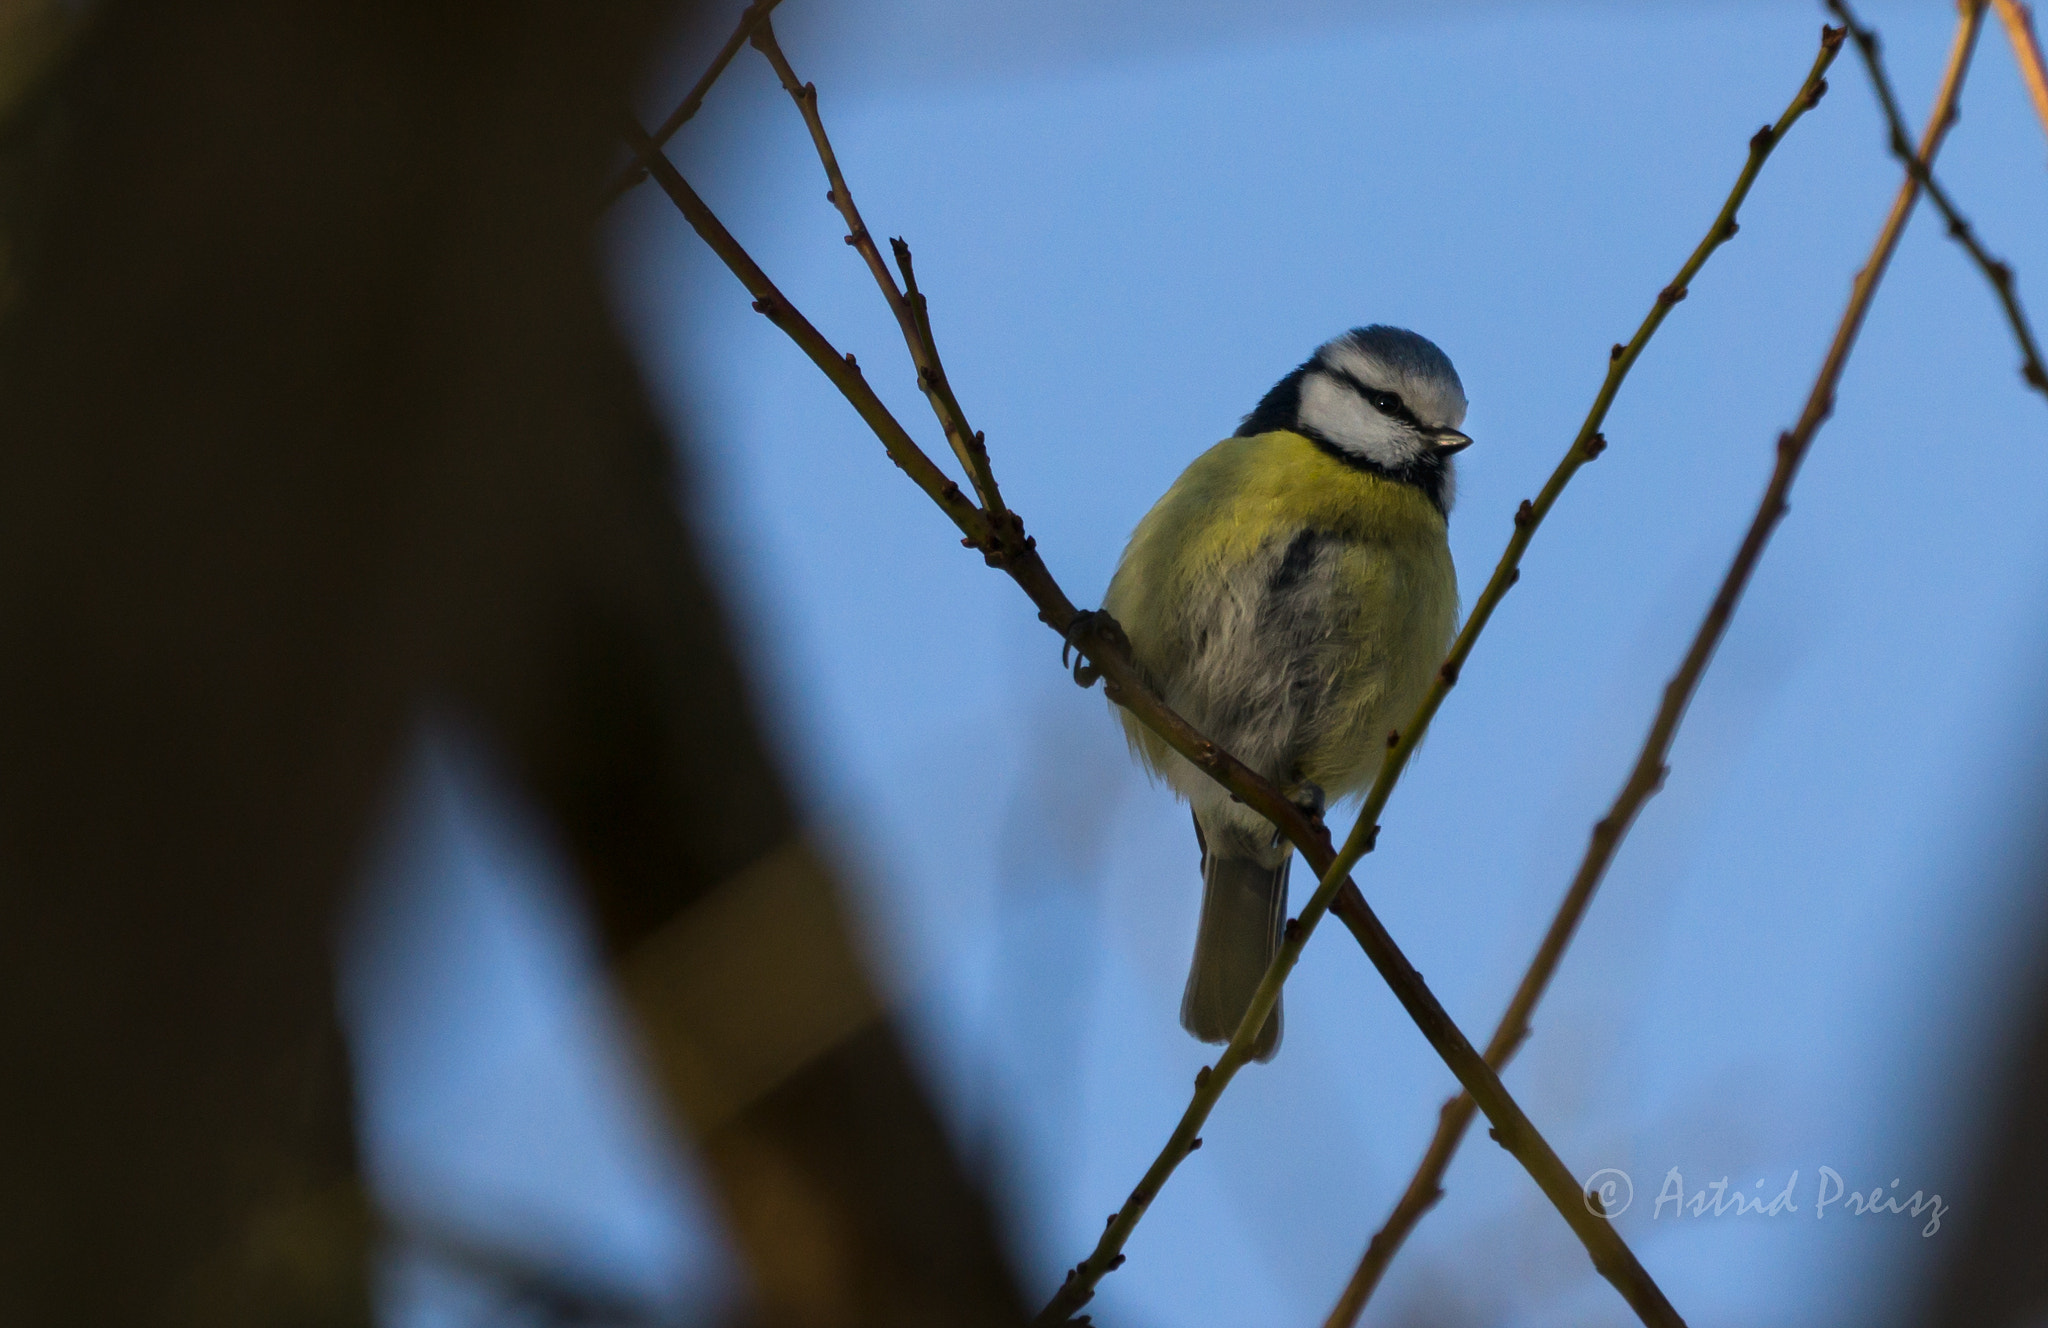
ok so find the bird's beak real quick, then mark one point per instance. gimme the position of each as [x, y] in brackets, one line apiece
[1447, 441]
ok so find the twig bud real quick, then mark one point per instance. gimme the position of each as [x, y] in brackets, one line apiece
[1728, 231]
[1290, 931]
[1831, 38]
[1762, 139]
[1671, 295]
[1594, 446]
[1194, 1144]
[1617, 351]
[1820, 89]
[1524, 514]
[1201, 1077]
[1449, 673]
[1393, 737]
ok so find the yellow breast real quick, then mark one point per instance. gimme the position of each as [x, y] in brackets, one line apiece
[1393, 595]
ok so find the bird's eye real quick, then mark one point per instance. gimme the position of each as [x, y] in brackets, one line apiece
[1385, 402]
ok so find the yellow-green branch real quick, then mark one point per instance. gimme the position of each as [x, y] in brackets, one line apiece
[1996, 271]
[1647, 775]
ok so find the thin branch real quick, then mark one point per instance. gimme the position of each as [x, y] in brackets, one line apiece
[910, 313]
[755, 15]
[842, 370]
[1003, 544]
[2018, 19]
[1996, 271]
[1647, 776]
[1338, 894]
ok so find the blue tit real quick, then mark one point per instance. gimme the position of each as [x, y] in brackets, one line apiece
[1291, 596]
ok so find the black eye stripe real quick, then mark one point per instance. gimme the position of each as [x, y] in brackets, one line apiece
[1395, 407]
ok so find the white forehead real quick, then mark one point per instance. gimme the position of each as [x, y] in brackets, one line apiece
[1432, 392]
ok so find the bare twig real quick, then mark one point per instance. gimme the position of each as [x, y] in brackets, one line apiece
[755, 15]
[1647, 776]
[1996, 271]
[1002, 542]
[910, 313]
[2018, 19]
[842, 370]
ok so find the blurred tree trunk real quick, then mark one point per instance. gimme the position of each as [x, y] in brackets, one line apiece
[314, 419]
[1993, 1272]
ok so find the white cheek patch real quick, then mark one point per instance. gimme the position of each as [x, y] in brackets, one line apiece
[1334, 409]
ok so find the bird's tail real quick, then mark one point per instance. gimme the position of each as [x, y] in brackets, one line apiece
[1244, 907]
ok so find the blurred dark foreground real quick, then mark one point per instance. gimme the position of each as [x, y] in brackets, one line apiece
[315, 424]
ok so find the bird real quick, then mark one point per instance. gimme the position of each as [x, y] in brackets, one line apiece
[1291, 595]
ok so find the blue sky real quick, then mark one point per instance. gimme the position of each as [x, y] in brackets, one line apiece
[1131, 219]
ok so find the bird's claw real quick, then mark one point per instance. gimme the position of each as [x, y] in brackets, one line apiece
[1085, 673]
[1309, 799]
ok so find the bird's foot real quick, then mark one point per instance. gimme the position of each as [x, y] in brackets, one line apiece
[1309, 798]
[1085, 623]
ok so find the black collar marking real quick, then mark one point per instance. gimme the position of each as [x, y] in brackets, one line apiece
[1280, 409]
[1428, 472]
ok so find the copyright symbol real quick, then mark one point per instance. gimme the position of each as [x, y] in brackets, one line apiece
[1609, 1192]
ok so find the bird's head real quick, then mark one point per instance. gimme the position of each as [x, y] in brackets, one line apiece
[1381, 398]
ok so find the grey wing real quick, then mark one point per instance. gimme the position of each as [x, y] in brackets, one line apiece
[1253, 677]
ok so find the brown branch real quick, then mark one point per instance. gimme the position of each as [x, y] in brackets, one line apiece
[910, 313]
[1647, 776]
[842, 370]
[1003, 544]
[753, 16]
[1996, 271]
[2018, 19]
